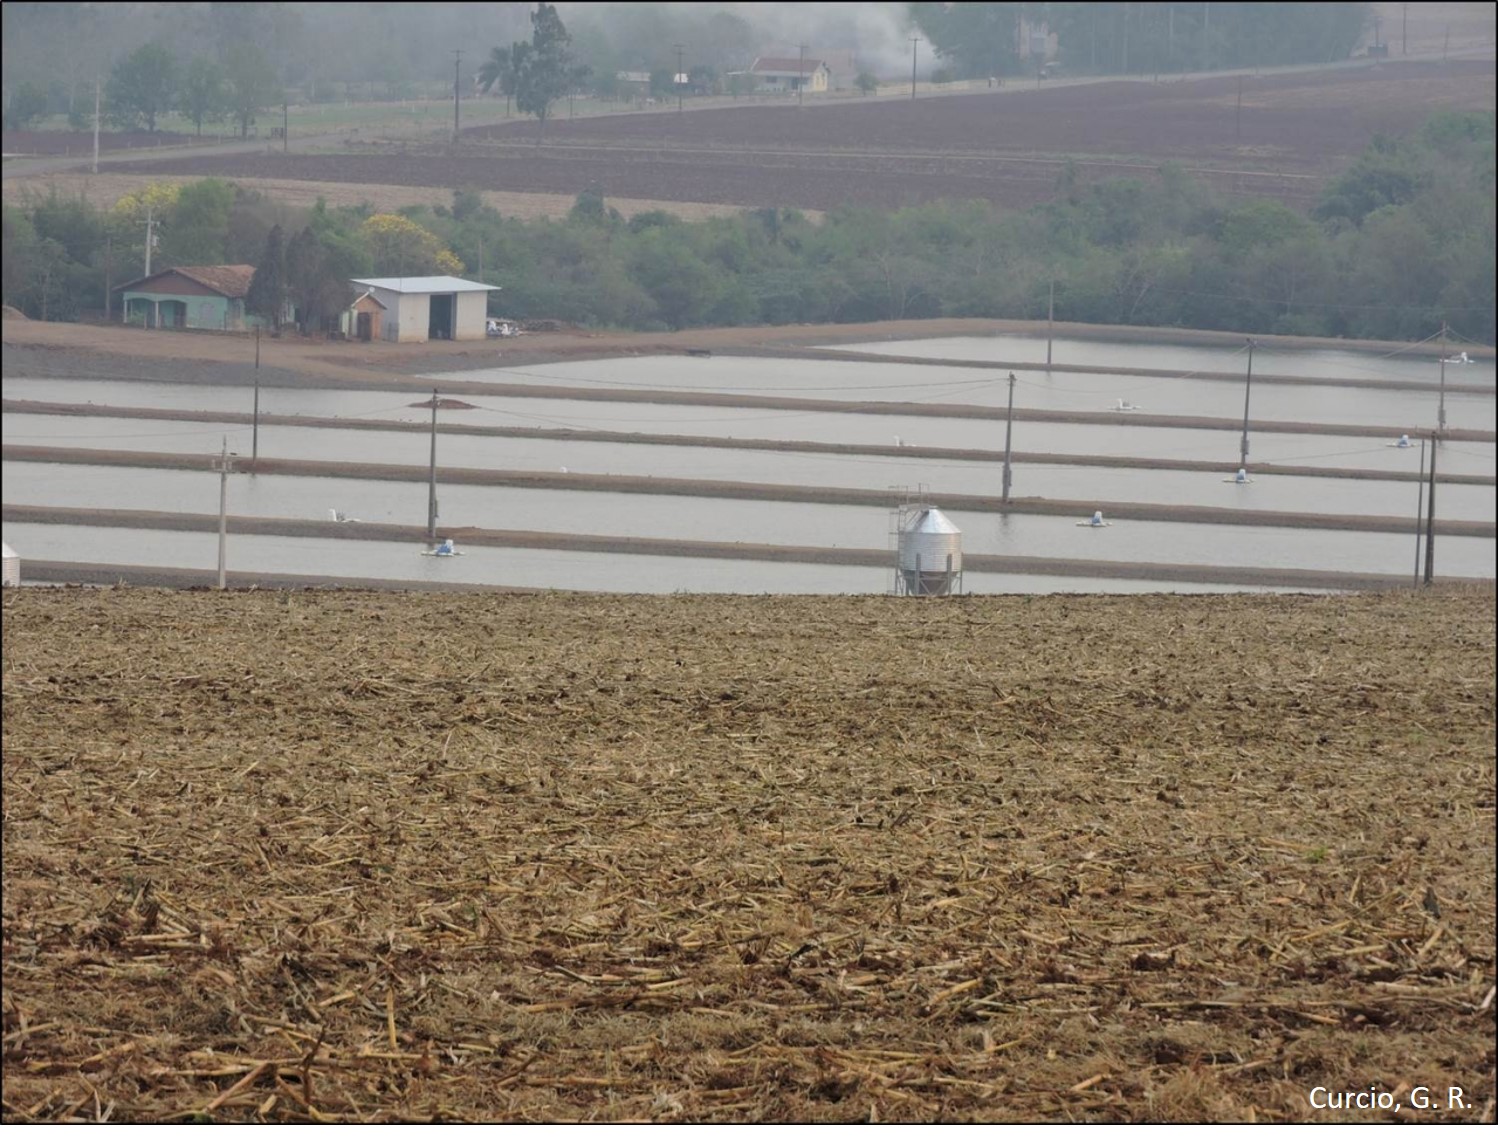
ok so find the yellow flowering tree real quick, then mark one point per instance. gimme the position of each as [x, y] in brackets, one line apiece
[400, 247]
[158, 197]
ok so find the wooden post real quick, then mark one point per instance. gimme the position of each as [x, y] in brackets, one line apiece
[1247, 390]
[223, 509]
[1008, 437]
[1430, 518]
[1419, 513]
[1050, 323]
[432, 479]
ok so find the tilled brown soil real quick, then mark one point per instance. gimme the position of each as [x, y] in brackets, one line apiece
[1009, 146]
[356, 856]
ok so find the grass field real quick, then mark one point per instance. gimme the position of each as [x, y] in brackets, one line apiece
[350, 856]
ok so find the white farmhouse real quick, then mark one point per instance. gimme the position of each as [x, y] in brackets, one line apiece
[420, 308]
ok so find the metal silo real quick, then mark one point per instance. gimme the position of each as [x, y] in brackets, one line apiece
[930, 554]
[12, 567]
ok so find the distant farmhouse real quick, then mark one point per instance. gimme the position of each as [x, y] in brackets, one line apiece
[773, 74]
[209, 297]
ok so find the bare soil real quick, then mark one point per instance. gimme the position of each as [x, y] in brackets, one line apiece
[36, 348]
[52, 142]
[351, 856]
[103, 190]
[1007, 146]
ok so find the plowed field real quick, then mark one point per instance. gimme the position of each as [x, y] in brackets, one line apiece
[348, 856]
[1008, 146]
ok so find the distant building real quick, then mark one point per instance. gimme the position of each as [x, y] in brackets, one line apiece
[415, 309]
[772, 73]
[190, 296]
[632, 84]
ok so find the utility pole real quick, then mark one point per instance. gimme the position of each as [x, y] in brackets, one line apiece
[1247, 390]
[1125, 39]
[432, 481]
[801, 78]
[1238, 117]
[678, 77]
[913, 41]
[96, 126]
[1206, 28]
[1441, 409]
[255, 430]
[1430, 518]
[1050, 323]
[1419, 513]
[148, 239]
[1008, 438]
[108, 279]
[457, 60]
[223, 508]
[1404, 29]
[285, 125]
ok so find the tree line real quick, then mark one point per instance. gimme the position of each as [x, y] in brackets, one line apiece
[1400, 241]
[222, 57]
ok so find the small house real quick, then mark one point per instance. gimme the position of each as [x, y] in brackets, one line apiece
[190, 296]
[415, 309]
[771, 73]
[361, 319]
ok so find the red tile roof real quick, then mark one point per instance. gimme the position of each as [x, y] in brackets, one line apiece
[232, 281]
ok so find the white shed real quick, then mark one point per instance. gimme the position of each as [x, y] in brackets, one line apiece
[421, 308]
[12, 567]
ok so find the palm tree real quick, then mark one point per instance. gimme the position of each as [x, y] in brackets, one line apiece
[503, 67]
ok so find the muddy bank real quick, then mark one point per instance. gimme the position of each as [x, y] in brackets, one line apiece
[745, 491]
[717, 550]
[564, 434]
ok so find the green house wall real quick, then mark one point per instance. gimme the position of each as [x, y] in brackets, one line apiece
[217, 313]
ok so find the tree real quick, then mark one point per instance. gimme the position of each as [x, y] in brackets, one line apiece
[201, 97]
[267, 294]
[548, 71]
[194, 232]
[501, 68]
[314, 285]
[401, 247]
[142, 86]
[28, 102]
[976, 39]
[251, 84]
[866, 82]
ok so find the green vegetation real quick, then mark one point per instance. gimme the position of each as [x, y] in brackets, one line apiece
[1400, 241]
[399, 52]
[983, 39]
[538, 72]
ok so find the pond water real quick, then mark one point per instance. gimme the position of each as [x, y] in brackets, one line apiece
[710, 519]
[1268, 491]
[781, 523]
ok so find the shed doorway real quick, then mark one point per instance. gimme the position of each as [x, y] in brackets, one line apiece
[444, 310]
